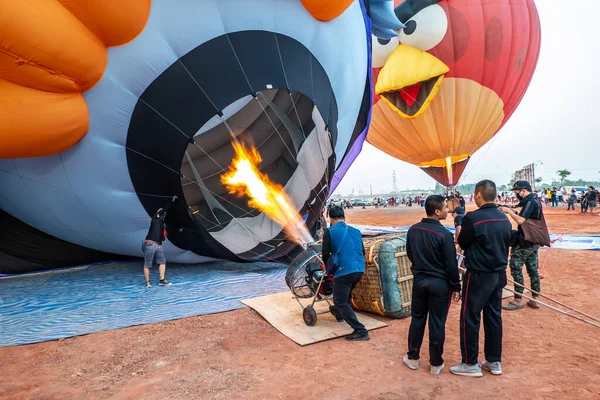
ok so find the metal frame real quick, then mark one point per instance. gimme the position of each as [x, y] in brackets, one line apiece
[317, 298]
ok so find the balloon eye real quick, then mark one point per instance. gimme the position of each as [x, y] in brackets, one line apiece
[411, 27]
[426, 29]
[382, 48]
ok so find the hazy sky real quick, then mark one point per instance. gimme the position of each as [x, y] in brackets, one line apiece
[557, 122]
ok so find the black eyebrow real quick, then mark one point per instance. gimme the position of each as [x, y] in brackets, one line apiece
[409, 8]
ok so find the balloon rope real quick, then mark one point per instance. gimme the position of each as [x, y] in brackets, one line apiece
[294, 157]
[549, 306]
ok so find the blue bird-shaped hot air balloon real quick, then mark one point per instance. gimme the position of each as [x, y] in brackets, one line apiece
[131, 103]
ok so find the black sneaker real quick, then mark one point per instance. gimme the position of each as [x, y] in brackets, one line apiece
[164, 282]
[357, 335]
[148, 285]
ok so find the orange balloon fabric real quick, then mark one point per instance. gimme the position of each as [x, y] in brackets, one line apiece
[36, 123]
[115, 22]
[51, 51]
[326, 10]
[45, 47]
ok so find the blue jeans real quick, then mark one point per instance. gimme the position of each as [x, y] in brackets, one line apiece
[342, 295]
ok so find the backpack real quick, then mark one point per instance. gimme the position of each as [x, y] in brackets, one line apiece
[536, 231]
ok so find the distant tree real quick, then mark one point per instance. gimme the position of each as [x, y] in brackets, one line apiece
[563, 173]
[539, 179]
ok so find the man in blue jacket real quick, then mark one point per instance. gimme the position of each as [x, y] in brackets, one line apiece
[346, 242]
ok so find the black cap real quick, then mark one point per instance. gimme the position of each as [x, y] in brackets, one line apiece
[520, 185]
[336, 212]
[459, 210]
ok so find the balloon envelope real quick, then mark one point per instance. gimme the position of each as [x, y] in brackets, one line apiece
[135, 104]
[451, 79]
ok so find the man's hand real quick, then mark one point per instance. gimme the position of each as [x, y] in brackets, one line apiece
[174, 199]
[456, 297]
[506, 210]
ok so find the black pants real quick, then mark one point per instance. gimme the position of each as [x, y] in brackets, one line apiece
[482, 291]
[342, 295]
[430, 297]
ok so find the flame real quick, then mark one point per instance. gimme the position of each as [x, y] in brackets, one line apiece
[449, 169]
[243, 178]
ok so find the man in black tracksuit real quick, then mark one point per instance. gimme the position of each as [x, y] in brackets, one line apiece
[485, 238]
[430, 248]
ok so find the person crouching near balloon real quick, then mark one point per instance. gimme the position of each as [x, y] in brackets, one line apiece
[152, 246]
[344, 255]
[485, 238]
[430, 248]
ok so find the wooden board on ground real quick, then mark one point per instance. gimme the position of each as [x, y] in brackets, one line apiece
[283, 312]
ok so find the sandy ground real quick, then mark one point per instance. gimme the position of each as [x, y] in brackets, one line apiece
[239, 355]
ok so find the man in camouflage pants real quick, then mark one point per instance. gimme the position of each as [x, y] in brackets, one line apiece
[524, 252]
[529, 257]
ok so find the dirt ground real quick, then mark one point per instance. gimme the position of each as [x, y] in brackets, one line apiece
[238, 354]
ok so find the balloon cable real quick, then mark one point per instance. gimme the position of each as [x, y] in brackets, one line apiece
[595, 320]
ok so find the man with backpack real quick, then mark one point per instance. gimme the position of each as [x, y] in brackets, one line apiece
[524, 252]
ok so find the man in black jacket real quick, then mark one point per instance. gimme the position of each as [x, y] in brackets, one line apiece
[152, 245]
[430, 248]
[485, 238]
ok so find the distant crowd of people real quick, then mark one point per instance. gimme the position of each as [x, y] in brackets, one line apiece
[585, 201]
[406, 201]
[556, 197]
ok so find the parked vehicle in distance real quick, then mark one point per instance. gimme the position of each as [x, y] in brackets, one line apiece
[361, 203]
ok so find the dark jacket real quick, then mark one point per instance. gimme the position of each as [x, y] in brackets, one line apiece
[485, 238]
[531, 208]
[352, 251]
[430, 249]
[157, 231]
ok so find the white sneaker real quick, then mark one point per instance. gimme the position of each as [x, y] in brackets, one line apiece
[436, 370]
[412, 364]
[493, 367]
[467, 370]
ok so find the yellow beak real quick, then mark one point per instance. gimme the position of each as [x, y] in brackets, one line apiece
[406, 67]
[326, 10]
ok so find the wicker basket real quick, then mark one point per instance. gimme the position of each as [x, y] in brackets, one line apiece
[386, 286]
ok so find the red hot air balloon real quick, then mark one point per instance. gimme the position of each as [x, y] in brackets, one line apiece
[451, 79]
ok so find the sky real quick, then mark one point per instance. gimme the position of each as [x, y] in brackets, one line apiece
[557, 124]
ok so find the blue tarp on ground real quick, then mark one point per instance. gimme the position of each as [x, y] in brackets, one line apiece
[52, 305]
[569, 241]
